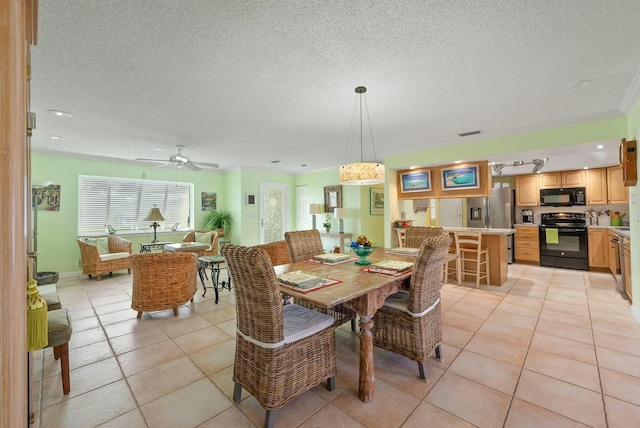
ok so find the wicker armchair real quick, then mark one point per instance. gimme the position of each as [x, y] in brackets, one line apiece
[213, 245]
[93, 263]
[278, 355]
[410, 322]
[416, 234]
[163, 280]
[303, 245]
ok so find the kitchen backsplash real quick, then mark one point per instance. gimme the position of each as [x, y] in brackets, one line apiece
[603, 219]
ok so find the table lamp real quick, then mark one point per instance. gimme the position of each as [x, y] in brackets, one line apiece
[155, 216]
[313, 210]
[340, 213]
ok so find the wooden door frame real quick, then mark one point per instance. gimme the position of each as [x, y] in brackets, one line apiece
[18, 32]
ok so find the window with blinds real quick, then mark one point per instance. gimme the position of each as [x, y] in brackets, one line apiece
[124, 203]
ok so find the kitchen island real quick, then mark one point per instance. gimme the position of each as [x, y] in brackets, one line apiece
[496, 241]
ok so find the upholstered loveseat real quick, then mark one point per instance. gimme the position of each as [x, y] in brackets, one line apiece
[102, 255]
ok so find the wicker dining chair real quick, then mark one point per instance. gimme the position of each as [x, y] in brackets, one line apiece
[303, 245]
[278, 252]
[209, 237]
[416, 234]
[163, 280]
[281, 351]
[409, 323]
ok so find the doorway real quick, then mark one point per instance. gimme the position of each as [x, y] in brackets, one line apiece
[273, 211]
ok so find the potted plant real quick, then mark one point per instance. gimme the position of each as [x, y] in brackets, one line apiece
[327, 223]
[220, 221]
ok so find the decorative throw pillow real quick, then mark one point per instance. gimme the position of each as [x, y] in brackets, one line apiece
[204, 238]
[101, 243]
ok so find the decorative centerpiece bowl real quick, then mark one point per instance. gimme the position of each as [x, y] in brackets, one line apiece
[362, 252]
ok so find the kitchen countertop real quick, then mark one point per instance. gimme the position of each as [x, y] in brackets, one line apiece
[525, 225]
[484, 230]
[625, 233]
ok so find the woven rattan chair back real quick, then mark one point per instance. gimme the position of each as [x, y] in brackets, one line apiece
[415, 235]
[278, 252]
[304, 244]
[162, 280]
[257, 295]
[427, 272]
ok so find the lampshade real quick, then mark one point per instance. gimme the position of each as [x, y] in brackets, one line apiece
[339, 213]
[362, 173]
[154, 215]
[315, 208]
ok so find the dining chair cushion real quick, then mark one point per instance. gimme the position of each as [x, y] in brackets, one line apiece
[53, 301]
[59, 324]
[204, 237]
[400, 301]
[299, 323]
[101, 243]
[113, 256]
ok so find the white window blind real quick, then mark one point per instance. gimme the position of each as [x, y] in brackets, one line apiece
[124, 203]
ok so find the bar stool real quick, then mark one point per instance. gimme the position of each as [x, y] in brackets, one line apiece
[469, 250]
[59, 323]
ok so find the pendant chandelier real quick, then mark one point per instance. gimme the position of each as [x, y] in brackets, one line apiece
[361, 173]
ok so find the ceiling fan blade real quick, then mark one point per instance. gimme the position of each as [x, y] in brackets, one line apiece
[191, 166]
[206, 165]
[163, 164]
[152, 160]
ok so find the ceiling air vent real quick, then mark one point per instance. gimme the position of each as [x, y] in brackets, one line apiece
[467, 134]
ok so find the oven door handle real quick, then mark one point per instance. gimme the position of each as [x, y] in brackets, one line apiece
[565, 229]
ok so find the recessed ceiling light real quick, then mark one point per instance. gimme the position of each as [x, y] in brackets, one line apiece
[304, 164]
[580, 84]
[586, 167]
[55, 137]
[457, 162]
[60, 113]
[275, 161]
[600, 146]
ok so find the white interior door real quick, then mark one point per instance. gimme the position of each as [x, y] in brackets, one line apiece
[451, 212]
[273, 211]
[303, 218]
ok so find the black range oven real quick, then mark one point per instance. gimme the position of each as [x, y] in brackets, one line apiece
[564, 241]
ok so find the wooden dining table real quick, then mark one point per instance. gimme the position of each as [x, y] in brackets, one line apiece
[364, 290]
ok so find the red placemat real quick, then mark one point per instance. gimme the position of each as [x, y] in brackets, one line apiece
[336, 263]
[385, 271]
[327, 282]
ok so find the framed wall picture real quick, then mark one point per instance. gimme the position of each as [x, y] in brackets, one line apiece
[332, 198]
[415, 181]
[376, 203]
[465, 177]
[209, 201]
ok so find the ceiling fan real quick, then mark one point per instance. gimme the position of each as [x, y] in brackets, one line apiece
[180, 160]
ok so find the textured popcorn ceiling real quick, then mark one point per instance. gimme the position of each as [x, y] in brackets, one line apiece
[242, 83]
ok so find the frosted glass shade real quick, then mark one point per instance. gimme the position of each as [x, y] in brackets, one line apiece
[365, 173]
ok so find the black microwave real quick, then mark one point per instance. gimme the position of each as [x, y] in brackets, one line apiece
[562, 197]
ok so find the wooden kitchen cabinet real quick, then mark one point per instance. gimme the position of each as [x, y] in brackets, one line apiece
[598, 248]
[527, 245]
[627, 267]
[596, 187]
[527, 190]
[614, 261]
[617, 193]
[556, 180]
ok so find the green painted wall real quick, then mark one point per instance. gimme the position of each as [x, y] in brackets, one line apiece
[58, 230]
[633, 133]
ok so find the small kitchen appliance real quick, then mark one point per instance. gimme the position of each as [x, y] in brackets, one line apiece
[527, 216]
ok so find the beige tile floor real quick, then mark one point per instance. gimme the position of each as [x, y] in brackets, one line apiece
[551, 347]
